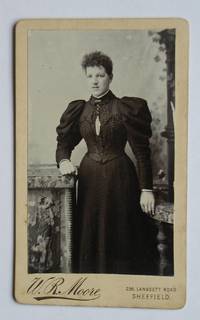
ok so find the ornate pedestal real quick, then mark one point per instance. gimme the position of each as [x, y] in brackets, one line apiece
[50, 206]
[164, 221]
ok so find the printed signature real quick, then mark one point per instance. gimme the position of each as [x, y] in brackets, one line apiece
[57, 288]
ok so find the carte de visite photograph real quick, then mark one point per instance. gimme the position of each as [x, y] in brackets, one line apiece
[103, 175]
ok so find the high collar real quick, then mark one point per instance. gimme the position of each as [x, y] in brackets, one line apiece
[103, 99]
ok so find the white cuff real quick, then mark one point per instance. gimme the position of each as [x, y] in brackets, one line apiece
[63, 160]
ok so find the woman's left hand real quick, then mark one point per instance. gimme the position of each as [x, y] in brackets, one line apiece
[147, 202]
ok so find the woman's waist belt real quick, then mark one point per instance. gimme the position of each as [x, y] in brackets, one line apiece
[103, 157]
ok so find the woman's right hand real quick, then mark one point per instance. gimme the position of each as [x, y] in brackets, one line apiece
[67, 167]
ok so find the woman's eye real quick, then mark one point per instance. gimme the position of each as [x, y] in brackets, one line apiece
[89, 76]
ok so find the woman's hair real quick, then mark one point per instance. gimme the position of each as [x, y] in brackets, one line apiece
[97, 58]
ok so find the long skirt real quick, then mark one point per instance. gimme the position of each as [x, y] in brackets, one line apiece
[111, 234]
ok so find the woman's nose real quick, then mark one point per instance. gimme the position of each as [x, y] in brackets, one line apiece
[95, 81]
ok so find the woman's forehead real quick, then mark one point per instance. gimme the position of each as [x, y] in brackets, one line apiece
[95, 69]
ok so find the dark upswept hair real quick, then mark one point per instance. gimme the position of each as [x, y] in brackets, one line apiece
[96, 59]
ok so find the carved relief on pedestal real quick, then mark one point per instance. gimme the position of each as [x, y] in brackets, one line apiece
[44, 231]
[50, 205]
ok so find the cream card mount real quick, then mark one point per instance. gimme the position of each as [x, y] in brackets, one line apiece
[101, 145]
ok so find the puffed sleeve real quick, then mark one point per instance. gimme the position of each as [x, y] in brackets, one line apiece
[68, 134]
[137, 119]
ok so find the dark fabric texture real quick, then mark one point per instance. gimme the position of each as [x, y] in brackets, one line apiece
[110, 232]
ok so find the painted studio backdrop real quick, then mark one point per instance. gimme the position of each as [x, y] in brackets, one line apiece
[143, 66]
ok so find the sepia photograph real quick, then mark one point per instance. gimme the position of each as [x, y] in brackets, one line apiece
[100, 156]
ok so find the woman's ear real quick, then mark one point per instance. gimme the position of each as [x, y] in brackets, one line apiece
[111, 77]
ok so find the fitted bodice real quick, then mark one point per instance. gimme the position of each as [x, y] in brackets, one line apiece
[111, 140]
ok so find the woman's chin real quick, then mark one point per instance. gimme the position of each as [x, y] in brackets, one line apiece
[96, 93]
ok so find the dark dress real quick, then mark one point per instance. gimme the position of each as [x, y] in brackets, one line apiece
[110, 232]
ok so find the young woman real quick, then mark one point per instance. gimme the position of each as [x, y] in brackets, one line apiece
[112, 229]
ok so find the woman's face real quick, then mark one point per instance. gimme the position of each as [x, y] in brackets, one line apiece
[98, 80]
